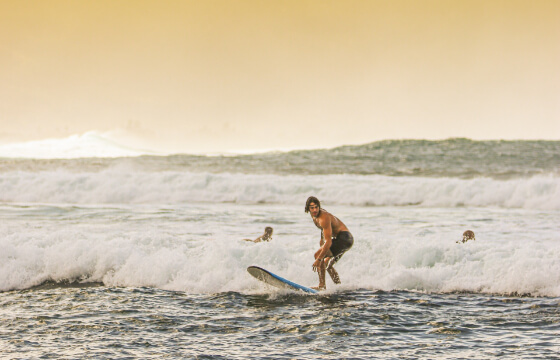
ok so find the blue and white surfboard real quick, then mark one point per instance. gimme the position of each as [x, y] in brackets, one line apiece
[277, 281]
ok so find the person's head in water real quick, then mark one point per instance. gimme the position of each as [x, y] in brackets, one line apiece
[267, 233]
[313, 206]
[468, 235]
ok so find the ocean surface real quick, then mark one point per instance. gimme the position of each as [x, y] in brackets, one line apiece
[134, 255]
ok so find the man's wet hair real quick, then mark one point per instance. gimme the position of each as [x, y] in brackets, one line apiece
[267, 236]
[311, 199]
[467, 235]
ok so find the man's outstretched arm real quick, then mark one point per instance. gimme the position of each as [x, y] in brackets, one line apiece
[327, 234]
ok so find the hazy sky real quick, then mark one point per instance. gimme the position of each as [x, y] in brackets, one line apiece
[227, 75]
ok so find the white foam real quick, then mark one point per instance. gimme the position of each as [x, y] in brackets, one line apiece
[87, 145]
[123, 184]
[438, 266]
[144, 256]
[110, 144]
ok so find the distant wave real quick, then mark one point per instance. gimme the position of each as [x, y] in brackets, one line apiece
[121, 185]
[89, 145]
[457, 158]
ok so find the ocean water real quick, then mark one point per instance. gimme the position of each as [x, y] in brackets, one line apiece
[143, 256]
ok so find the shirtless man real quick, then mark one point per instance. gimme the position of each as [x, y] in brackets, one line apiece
[335, 241]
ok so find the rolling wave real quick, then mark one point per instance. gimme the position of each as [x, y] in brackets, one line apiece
[88, 145]
[158, 260]
[458, 158]
[121, 185]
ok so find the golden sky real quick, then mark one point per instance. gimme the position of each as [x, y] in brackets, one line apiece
[229, 75]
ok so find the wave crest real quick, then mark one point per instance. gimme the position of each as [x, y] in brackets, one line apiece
[219, 265]
[120, 185]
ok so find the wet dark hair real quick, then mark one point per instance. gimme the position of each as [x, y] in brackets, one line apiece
[468, 235]
[267, 236]
[312, 199]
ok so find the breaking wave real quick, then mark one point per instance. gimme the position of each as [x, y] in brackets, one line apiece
[119, 185]
[158, 260]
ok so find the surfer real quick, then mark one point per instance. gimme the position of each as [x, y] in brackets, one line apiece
[267, 236]
[336, 239]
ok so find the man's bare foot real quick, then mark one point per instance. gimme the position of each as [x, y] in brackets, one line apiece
[319, 288]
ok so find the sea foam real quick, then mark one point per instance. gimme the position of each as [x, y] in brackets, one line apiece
[153, 259]
[89, 144]
[122, 185]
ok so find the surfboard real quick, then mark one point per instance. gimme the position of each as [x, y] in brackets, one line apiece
[277, 281]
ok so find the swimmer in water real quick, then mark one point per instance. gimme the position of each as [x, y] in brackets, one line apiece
[267, 236]
[467, 235]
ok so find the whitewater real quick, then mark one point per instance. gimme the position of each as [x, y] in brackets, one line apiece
[125, 185]
[150, 247]
[199, 248]
[73, 198]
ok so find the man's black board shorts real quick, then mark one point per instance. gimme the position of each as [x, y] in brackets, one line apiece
[341, 244]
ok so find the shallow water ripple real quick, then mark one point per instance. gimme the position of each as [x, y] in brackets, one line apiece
[95, 321]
